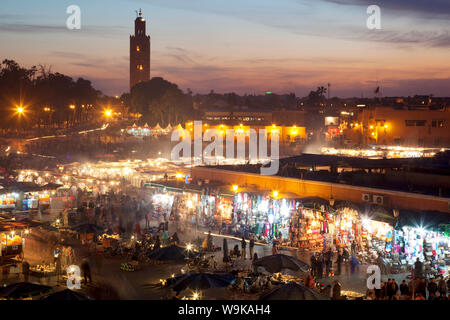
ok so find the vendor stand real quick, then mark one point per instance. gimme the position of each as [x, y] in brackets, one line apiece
[43, 270]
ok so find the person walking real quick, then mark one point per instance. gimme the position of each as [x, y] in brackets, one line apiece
[26, 270]
[58, 267]
[310, 281]
[339, 262]
[320, 266]
[442, 287]
[404, 289]
[418, 269]
[353, 264]
[313, 265]
[379, 292]
[252, 246]
[147, 220]
[336, 290]
[86, 269]
[243, 245]
[389, 291]
[394, 288]
[422, 287]
[329, 261]
[157, 243]
[209, 242]
[432, 289]
[353, 247]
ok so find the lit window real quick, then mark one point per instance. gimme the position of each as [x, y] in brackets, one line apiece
[139, 66]
[138, 49]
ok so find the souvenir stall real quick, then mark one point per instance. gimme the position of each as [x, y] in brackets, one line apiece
[253, 214]
[347, 226]
[11, 244]
[265, 217]
[207, 209]
[162, 204]
[224, 209]
[311, 228]
[8, 200]
[431, 247]
[376, 236]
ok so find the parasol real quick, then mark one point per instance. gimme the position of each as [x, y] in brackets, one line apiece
[23, 290]
[66, 295]
[170, 253]
[201, 281]
[88, 228]
[293, 291]
[226, 258]
[278, 262]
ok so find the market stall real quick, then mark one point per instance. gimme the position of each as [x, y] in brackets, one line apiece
[424, 235]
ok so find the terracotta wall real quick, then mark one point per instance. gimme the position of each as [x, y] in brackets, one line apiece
[308, 188]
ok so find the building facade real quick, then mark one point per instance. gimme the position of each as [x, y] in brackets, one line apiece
[139, 52]
[412, 127]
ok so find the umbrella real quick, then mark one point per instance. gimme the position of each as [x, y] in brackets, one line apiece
[201, 281]
[170, 253]
[293, 291]
[278, 262]
[88, 228]
[23, 290]
[225, 250]
[66, 295]
[51, 186]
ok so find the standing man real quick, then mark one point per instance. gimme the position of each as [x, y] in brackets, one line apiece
[252, 245]
[442, 287]
[404, 289]
[432, 289]
[339, 262]
[418, 268]
[353, 247]
[147, 220]
[353, 264]
[86, 269]
[319, 266]
[243, 245]
[313, 265]
[26, 270]
[329, 261]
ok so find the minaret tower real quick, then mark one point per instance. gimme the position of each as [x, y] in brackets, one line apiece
[139, 52]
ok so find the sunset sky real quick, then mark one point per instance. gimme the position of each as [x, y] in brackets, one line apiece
[241, 45]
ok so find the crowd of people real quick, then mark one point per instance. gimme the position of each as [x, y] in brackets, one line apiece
[415, 289]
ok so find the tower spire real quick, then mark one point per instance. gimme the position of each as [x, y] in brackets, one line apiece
[140, 12]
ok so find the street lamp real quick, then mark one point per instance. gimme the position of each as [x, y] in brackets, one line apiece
[72, 106]
[235, 187]
[108, 113]
[275, 193]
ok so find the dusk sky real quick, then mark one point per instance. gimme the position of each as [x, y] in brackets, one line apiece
[240, 45]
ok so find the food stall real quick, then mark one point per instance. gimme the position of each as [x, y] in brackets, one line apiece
[43, 270]
[8, 200]
[11, 244]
